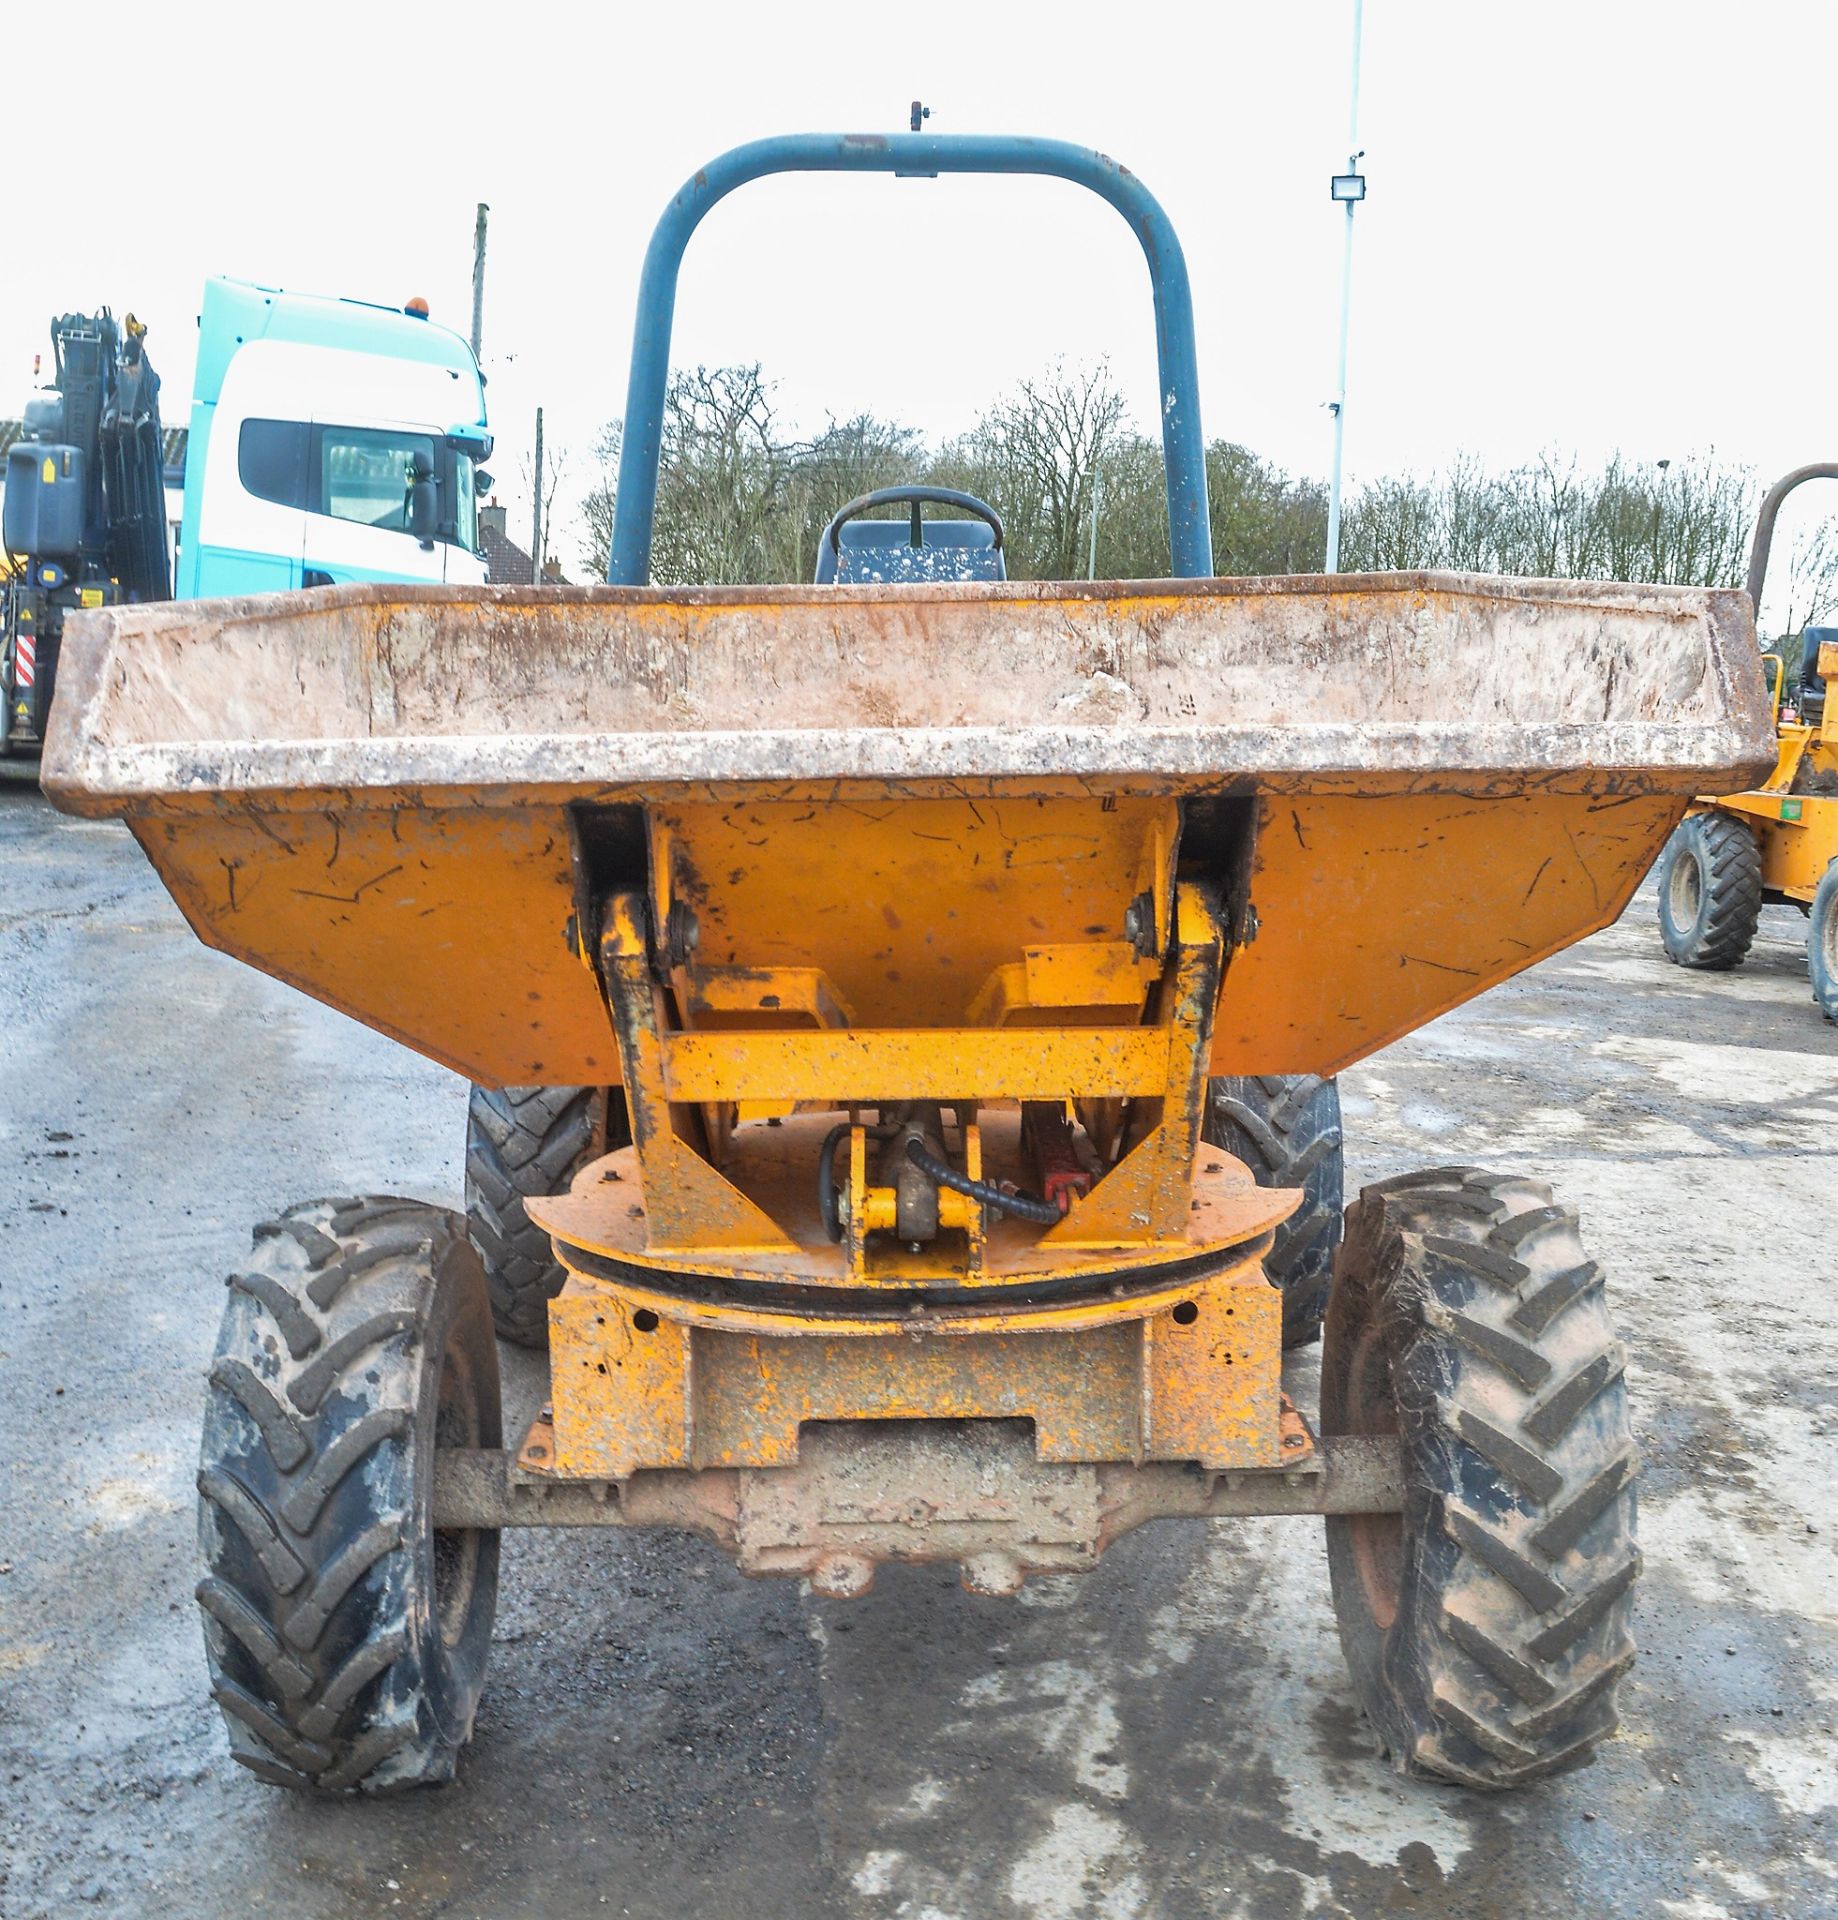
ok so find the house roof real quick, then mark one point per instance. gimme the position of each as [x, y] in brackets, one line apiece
[508, 563]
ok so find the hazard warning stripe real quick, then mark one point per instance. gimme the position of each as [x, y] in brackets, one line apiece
[25, 660]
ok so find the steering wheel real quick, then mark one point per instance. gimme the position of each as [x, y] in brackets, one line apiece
[913, 496]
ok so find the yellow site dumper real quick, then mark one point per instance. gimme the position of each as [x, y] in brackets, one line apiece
[902, 921]
[1777, 843]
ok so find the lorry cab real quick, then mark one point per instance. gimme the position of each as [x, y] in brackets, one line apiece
[331, 441]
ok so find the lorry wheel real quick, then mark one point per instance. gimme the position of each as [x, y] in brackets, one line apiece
[1286, 1129]
[1709, 892]
[346, 1638]
[522, 1142]
[1822, 943]
[1486, 1625]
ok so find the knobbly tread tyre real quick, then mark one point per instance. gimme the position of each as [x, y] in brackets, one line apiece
[1727, 865]
[1286, 1129]
[346, 1640]
[522, 1142]
[1464, 1303]
[1822, 943]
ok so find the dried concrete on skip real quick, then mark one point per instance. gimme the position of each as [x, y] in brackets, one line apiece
[359, 691]
[1171, 1736]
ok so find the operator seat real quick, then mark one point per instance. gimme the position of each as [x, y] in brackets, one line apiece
[1813, 691]
[912, 551]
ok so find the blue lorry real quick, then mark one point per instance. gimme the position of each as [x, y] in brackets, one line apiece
[330, 440]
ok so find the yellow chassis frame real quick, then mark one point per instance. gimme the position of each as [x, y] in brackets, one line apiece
[702, 1324]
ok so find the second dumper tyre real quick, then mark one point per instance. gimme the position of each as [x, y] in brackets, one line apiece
[1822, 943]
[1710, 892]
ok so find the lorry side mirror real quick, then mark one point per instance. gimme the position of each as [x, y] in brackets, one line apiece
[423, 500]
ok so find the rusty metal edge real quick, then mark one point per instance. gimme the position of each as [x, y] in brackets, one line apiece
[1552, 590]
[485, 1488]
[1684, 759]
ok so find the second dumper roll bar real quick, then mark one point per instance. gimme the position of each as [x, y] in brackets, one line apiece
[1764, 522]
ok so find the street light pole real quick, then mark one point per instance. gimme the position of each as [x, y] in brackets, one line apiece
[1349, 188]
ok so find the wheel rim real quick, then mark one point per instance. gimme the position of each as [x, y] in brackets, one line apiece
[1684, 892]
[455, 1550]
[1378, 1538]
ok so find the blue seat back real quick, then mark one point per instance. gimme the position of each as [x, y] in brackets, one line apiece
[881, 553]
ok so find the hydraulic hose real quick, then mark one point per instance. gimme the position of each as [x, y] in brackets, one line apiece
[1024, 1206]
[826, 1181]
[829, 1201]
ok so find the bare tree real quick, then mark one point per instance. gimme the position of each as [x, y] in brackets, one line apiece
[1544, 518]
[1390, 526]
[597, 507]
[720, 479]
[1036, 457]
[738, 499]
[555, 465]
[1262, 520]
[1131, 503]
[1686, 522]
[1810, 578]
[741, 499]
[849, 458]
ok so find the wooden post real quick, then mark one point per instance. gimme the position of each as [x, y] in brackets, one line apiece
[478, 278]
[536, 511]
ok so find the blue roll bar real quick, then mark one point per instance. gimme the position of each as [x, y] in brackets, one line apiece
[922, 155]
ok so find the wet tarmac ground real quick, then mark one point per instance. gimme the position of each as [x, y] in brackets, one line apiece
[1171, 1737]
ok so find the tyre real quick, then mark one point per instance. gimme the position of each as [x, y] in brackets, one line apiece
[1709, 892]
[522, 1142]
[1486, 1625]
[1822, 943]
[346, 1638]
[1286, 1129]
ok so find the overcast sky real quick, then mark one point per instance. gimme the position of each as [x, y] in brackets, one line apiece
[1590, 226]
